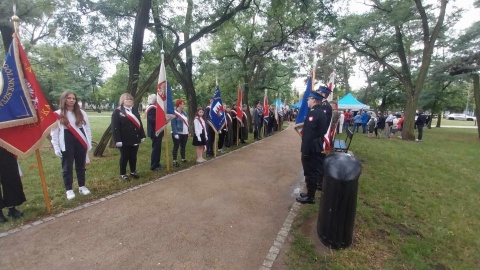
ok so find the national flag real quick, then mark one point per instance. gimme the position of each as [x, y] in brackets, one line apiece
[265, 107]
[331, 84]
[326, 141]
[162, 116]
[16, 107]
[25, 139]
[277, 106]
[303, 111]
[216, 116]
[239, 106]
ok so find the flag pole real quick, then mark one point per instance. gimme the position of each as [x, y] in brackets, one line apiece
[16, 24]
[165, 134]
[42, 180]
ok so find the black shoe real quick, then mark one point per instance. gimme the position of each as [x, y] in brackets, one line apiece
[184, 160]
[304, 200]
[135, 175]
[14, 213]
[124, 178]
[156, 169]
[3, 219]
[175, 164]
[243, 141]
[303, 195]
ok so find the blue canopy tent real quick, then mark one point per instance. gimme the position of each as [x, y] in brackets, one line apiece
[296, 105]
[349, 102]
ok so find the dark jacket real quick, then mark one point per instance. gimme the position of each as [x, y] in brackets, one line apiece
[327, 109]
[124, 130]
[151, 117]
[421, 120]
[257, 117]
[381, 122]
[314, 128]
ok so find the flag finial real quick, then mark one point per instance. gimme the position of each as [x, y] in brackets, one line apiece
[15, 19]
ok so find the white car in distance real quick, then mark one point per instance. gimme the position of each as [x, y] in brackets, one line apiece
[461, 116]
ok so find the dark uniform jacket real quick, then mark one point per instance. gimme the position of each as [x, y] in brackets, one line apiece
[257, 117]
[124, 130]
[327, 109]
[314, 128]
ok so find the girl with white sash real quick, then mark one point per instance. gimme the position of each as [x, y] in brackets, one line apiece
[71, 140]
[201, 137]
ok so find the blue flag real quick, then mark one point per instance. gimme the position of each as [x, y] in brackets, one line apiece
[170, 107]
[216, 117]
[16, 106]
[303, 111]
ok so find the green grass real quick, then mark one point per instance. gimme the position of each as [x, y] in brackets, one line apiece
[446, 122]
[417, 206]
[102, 176]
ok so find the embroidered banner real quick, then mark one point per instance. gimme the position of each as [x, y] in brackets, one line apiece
[16, 106]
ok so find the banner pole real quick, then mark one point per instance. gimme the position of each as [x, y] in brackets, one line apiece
[167, 157]
[238, 129]
[42, 180]
[215, 145]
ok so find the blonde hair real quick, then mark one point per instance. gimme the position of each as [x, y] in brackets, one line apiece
[123, 97]
[79, 120]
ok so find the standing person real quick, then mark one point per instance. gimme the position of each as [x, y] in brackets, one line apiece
[341, 122]
[235, 126]
[210, 132]
[228, 127]
[151, 113]
[419, 123]
[11, 188]
[388, 124]
[71, 140]
[180, 131]
[365, 119]
[380, 126]
[201, 137]
[244, 125]
[222, 135]
[314, 128]
[347, 120]
[357, 122]
[128, 133]
[371, 126]
[327, 108]
[271, 120]
[257, 120]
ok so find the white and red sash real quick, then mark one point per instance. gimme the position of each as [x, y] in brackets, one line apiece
[132, 118]
[183, 117]
[79, 135]
[148, 109]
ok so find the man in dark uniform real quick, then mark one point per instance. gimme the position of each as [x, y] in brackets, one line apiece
[327, 108]
[11, 191]
[257, 120]
[151, 113]
[314, 128]
[210, 132]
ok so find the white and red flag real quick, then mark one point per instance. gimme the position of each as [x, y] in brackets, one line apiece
[162, 116]
[331, 84]
[265, 107]
[239, 105]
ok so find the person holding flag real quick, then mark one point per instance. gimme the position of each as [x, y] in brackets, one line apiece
[11, 188]
[314, 129]
[257, 120]
[151, 113]
[71, 140]
[128, 133]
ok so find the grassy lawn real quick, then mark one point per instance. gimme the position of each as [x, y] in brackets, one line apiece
[102, 174]
[446, 122]
[417, 206]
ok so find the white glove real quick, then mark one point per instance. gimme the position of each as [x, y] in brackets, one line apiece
[58, 153]
[199, 139]
[143, 139]
[176, 136]
[118, 144]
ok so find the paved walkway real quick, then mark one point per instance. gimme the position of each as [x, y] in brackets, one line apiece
[232, 212]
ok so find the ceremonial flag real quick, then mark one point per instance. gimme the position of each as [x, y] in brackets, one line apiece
[265, 107]
[24, 139]
[16, 107]
[239, 105]
[164, 98]
[277, 105]
[216, 116]
[331, 85]
[303, 111]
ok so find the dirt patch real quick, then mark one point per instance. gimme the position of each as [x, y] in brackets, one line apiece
[309, 229]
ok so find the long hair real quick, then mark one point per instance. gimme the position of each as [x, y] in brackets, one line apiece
[79, 120]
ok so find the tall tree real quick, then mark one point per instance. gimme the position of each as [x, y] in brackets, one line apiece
[388, 34]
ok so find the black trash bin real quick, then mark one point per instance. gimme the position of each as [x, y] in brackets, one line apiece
[338, 202]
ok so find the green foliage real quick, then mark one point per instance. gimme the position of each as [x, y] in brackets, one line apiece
[411, 214]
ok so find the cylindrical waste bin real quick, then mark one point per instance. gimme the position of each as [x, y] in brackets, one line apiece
[338, 202]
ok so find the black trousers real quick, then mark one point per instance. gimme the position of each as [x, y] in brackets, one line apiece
[420, 132]
[128, 154]
[210, 141]
[74, 151]
[313, 171]
[256, 131]
[156, 151]
[11, 188]
[221, 139]
[181, 142]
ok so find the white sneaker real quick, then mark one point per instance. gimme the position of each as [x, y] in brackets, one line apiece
[83, 190]
[200, 160]
[221, 151]
[70, 195]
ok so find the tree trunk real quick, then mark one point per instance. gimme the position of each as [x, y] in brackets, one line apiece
[476, 95]
[408, 126]
[103, 143]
